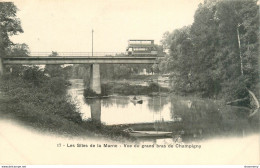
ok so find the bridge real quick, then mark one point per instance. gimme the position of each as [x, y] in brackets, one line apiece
[78, 60]
[43, 58]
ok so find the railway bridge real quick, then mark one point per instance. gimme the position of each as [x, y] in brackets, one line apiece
[95, 59]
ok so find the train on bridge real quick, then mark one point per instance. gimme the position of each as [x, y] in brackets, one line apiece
[141, 48]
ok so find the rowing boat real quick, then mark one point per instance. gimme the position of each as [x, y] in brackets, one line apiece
[136, 101]
[148, 133]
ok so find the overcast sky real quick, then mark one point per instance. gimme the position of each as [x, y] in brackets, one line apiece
[65, 25]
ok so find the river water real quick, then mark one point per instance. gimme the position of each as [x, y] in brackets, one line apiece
[192, 119]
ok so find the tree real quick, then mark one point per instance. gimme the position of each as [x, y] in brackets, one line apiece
[240, 33]
[218, 54]
[179, 61]
[17, 50]
[205, 39]
[166, 40]
[9, 25]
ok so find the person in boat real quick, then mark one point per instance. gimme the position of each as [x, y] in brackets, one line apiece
[134, 98]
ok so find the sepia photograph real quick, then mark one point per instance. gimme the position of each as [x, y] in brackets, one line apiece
[129, 82]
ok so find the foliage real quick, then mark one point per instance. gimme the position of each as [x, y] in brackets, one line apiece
[34, 75]
[89, 93]
[45, 105]
[54, 70]
[32, 98]
[57, 81]
[9, 25]
[67, 72]
[122, 71]
[154, 87]
[16, 50]
[127, 89]
[205, 58]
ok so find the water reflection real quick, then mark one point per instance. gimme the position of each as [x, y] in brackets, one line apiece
[188, 119]
[120, 110]
[204, 119]
[156, 104]
[120, 102]
[95, 108]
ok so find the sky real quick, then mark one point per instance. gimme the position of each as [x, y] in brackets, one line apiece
[66, 25]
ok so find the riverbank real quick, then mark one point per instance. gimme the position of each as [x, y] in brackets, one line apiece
[127, 89]
[43, 104]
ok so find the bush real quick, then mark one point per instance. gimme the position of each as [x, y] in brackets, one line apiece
[105, 89]
[236, 89]
[153, 87]
[126, 89]
[44, 105]
[89, 93]
[57, 85]
[33, 75]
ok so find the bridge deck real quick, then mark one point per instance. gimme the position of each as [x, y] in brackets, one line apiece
[35, 60]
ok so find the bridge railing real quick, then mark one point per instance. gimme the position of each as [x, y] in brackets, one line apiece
[77, 54]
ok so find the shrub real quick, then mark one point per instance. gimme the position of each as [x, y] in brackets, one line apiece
[153, 87]
[89, 93]
[33, 75]
[57, 85]
[236, 89]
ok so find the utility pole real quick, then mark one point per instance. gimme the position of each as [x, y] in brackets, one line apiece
[92, 41]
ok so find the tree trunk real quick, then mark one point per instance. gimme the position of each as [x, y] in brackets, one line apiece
[239, 46]
[242, 73]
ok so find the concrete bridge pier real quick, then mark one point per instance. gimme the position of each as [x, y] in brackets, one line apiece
[95, 83]
[1, 67]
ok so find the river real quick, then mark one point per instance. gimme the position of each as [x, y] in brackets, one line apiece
[190, 119]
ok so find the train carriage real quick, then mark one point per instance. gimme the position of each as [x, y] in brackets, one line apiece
[141, 48]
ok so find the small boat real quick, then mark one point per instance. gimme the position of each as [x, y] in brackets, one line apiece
[136, 101]
[147, 133]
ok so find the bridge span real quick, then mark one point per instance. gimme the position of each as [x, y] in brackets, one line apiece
[40, 60]
[98, 58]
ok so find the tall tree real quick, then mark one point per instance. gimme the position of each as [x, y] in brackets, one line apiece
[9, 25]
[238, 27]
[180, 59]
